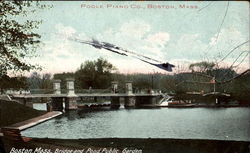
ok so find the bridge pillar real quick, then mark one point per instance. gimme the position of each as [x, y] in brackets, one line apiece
[115, 101]
[148, 101]
[71, 99]
[57, 86]
[130, 98]
[57, 102]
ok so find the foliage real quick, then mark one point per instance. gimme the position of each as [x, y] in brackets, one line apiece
[222, 74]
[38, 81]
[95, 74]
[201, 66]
[167, 83]
[239, 88]
[17, 41]
[16, 83]
[192, 82]
[209, 71]
[142, 81]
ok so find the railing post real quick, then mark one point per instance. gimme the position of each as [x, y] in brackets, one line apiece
[71, 99]
[129, 88]
[57, 86]
[114, 87]
[115, 100]
[70, 87]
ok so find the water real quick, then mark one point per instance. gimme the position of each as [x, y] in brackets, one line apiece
[40, 106]
[194, 123]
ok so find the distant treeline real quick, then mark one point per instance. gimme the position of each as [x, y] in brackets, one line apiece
[99, 74]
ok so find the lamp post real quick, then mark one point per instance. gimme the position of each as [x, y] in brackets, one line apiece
[152, 79]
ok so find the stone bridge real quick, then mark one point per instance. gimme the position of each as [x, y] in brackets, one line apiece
[69, 99]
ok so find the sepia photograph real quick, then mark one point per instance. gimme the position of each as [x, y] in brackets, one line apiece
[124, 76]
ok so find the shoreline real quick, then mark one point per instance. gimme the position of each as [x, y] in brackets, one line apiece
[117, 145]
[145, 145]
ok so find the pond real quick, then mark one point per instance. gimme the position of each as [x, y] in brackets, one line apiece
[185, 123]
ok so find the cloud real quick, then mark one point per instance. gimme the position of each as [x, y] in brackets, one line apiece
[227, 35]
[64, 30]
[58, 54]
[192, 47]
[137, 36]
[187, 46]
[135, 28]
[159, 39]
[228, 39]
[61, 55]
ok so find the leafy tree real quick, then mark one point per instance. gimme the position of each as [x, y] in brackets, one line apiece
[16, 83]
[46, 82]
[38, 81]
[222, 74]
[167, 83]
[239, 87]
[142, 81]
[95, 74]
[4, 83]
[17, 41]
[201, 66]
[34, 80]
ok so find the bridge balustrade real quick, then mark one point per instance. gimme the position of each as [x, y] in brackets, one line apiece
[59, 99]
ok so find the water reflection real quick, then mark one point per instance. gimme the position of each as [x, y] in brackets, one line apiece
[199, 123]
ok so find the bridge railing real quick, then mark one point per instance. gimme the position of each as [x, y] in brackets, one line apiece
[79, 91]
[29, 91]
[89, 91]
[42, 91]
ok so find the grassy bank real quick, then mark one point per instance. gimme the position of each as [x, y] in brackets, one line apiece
[12, 112]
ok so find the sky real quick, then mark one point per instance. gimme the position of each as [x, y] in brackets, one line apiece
[168, 32]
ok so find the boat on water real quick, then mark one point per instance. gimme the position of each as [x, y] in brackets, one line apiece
[171, 102]
[165, 102]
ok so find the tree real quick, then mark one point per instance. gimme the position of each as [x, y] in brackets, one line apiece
[240, 89]
[7, 82]
[167, 83]
[46, 82]
[95, 74]
[222, 74]
[142, 81]
[201, 66]
[34, 80]
[38, 81]
[17, 41]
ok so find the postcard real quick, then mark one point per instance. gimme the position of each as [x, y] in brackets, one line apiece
[124, 77]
